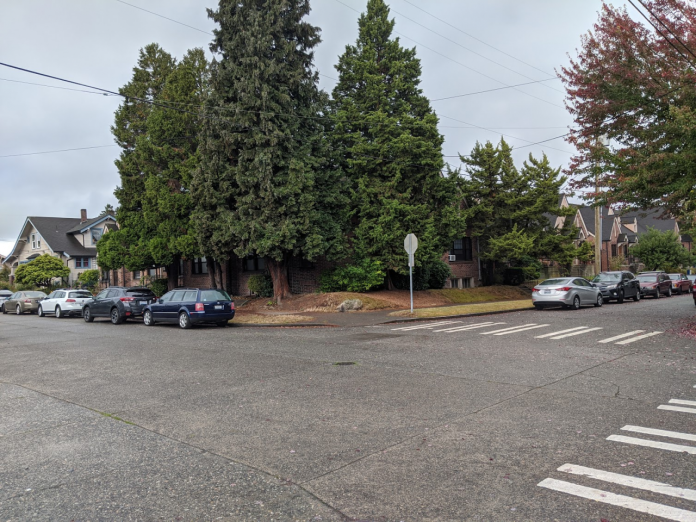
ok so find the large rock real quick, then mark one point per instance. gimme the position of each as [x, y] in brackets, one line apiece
[350, 305]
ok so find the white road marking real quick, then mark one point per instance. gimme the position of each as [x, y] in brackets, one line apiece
[561, 332]
[676, 408]
[467, 327]
[524, 329]
[510, 328]
[632, 482]
[616, 338]
[428, 325]
[682, 402]
[653, 444]
[642, 506]
[634, 339]
[588, 330]
[661, 433]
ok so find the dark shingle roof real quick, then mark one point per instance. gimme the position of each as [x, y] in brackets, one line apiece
[651, 218]
[54, 232]
[88, 223]
[587, 214]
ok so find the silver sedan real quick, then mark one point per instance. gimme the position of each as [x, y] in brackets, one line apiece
[568, 292]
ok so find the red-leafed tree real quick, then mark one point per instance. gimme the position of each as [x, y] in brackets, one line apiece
[634, 81]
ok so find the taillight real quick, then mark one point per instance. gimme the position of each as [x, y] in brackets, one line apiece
[566, 289]
[536, 289]
[200, 307]
[232, 306]
[70, 301]
[127, 298]
[27, 300]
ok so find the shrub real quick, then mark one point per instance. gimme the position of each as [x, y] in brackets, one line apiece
[159, 286]
[431, 274]
[5, 274]
[440, 272]
[515, 276]
[363, 276]
[261, 285]
[88, 278]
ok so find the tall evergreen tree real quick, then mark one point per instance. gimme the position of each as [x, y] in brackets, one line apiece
[264, 185]
[393, 158]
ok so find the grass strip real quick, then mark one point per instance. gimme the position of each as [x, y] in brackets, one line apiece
[445, 311]
[270, 319]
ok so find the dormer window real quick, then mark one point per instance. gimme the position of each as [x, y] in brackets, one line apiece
[35, 241]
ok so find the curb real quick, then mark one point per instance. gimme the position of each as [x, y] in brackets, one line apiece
[282, 325]
[441, 317]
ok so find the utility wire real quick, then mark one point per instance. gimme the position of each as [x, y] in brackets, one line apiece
[666, 27]
[55, 87]
[54, 151]
[459, 63]
[473, 37]
[491, 90]
[166, 18]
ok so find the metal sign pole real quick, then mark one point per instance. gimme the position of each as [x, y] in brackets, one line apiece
[411, 245]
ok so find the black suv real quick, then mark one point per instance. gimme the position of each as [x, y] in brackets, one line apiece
[119, 303]
[618, 285]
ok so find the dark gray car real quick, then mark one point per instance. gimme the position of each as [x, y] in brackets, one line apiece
[618, 285]
[118, 303]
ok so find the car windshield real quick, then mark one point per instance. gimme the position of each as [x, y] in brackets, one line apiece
[78, 295]
[141, 292]
[214, 295]
[647, 278]
[607, 278]
[554, 282]
[34, 294]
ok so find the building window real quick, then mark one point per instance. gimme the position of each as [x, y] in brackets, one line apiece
[613, 250]
[82, 262]
[461, 248]
[152, 272]
[137, 274]
[200, 265]
[252, 263]
[35, 241]
[96, 235]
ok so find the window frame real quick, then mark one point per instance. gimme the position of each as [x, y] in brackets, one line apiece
[199, 266]
[466, 252]
[257, 262]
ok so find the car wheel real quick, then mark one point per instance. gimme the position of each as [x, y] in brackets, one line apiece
[41, 312]
[18, 310]
[184, 321]
[147, 318]
[4, 310]
[116, 317]
[87, 315]
[59, 313]
[620, 299]
[637, 297]
[669, 292]
[658, 294]
[600, 301]
[680, 291]
[576, 303]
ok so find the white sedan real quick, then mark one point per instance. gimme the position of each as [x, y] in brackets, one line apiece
[64, 302]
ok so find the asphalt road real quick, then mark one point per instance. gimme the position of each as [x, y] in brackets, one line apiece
[468, 420]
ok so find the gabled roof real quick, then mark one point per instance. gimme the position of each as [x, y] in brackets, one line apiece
[587, 214]
[54, 231]
[651, 218]
[81, 227]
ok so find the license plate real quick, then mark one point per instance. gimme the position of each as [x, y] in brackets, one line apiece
[142, 302]
[219, 307]
[547, 291]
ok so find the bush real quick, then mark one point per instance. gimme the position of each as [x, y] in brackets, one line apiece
[159, 286]
[88, 278]
[515, 276]
[431, 274]
[261, 285]
[362, 276]
[440, 272]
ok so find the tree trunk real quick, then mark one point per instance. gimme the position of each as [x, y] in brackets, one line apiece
[218, 272]
[279, 274]
[211, 271]
[390, 283]
[173, 274]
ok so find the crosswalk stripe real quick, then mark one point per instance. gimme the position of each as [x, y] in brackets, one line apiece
[510, 328]
[469, 327]
[682, 402]
[642, 506]
[588, 330]
[428, 325]
[676, 408]
[661, 433]
[522, 329]
[617, 337]
[634, 339]
[561, 332]
[653, 444]
[632, 482]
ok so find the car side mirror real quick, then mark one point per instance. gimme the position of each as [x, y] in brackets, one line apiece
[160, 301]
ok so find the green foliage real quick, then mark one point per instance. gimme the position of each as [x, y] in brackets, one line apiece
[430, 274]
[159, 286]
[5, 274]
[661, 250]
[363, 276]
[392, 150]
[440, 272]
[511, 246]
[41, 271]
[267, 183]
[89, 278]
[261, 285]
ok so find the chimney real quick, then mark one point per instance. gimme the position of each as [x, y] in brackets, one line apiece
[83, 215]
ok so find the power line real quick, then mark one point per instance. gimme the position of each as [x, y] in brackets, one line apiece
[54, 151]
[166, 18]
[55, 87]
[473, 37]
[666, 27]
[496, 89]
[459, 63]
[520, 147]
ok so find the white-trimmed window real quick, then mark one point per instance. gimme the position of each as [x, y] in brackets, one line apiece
[35, 241]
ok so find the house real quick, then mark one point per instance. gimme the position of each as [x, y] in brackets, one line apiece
[72, 240]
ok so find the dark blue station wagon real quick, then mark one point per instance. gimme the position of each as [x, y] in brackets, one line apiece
[190, 306]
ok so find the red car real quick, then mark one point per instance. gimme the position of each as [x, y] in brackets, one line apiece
[656, 284]
[680, 284]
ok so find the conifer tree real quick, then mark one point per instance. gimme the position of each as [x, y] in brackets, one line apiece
[388, 133]
[265, 185]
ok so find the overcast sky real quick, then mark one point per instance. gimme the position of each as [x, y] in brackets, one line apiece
[473, 46]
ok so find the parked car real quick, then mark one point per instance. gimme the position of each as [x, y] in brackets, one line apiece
[118, 303]
[190, 306]
[680, 283]
[656, 284]
[64, 302]
[567, 292]
[21, 302]
[618, 285]
[4, 296]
